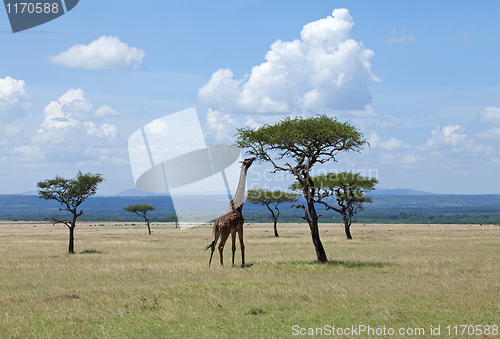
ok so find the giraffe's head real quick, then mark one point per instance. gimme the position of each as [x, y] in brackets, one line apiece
[247, 162]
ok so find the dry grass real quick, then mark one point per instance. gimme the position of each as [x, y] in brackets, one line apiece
[124, 283]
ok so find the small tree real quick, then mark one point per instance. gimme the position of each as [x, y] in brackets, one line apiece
[349, 190]
[70, 193]
[141, 210]
[268, 198]
[304, 143]
[175, 218]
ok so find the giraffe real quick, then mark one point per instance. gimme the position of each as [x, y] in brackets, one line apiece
[232, 220]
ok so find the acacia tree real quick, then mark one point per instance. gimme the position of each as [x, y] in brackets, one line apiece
[141, 210]
[349, 190]
[175, 218]
[268, 198]
[304, 143]
[70, 193]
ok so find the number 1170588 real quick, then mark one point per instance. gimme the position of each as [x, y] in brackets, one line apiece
[29, 7]
[472, 330]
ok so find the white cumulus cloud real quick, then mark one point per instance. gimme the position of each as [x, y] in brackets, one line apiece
[106, 111]
[320, 72]
[69, 135]
[449, 146]
[67, 111]
[492, 133]
[105, 130]
[490, 115]
[222, 126]
[401, 158]
[158, 127]
[452, 135]
[393, 144]
[12, 90]
[73, 110]
[252, 123]
[105, 53]
[373, 139]
[13, 99]
[455, 139]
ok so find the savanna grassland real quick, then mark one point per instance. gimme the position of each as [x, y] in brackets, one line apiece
[124, 283]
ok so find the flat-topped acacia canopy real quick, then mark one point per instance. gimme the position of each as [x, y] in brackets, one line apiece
[316, 139]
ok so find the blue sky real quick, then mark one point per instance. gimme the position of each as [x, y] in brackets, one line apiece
[420, 79]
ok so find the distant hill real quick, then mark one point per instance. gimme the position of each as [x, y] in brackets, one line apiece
[29, 193]
[399, 191]
[386, 208]
[136, 193]
[378, 191]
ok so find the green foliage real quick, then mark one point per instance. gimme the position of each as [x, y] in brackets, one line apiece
[70, 193]
[265, 197]
[313, 140]
[175, 218]
[349, 190]
[143, 208]
[347, 187]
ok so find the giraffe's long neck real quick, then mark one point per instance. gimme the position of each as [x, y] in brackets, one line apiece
[239, 197]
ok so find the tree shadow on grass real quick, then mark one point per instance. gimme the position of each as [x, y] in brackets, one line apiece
[91, 252]
[357, 264]
[335, 263]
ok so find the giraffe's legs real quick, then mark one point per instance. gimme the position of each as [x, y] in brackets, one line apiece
[233, 238]
[216, 237]
[211, 254]
[223, 238]
[240, 234]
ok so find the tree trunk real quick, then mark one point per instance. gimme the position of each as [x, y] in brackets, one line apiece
[146, 220]
[313, 225]
[71, 239]
[275, 217]
[347, 227]
[71, 248]
[320, 251]
[348, 231]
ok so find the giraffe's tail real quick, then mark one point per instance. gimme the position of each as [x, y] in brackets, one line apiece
[212, 244]
[215, 236]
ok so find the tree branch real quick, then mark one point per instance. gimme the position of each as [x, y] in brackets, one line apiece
[306, 217]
